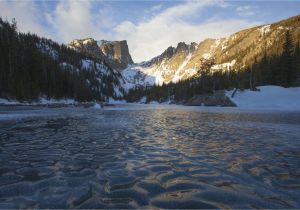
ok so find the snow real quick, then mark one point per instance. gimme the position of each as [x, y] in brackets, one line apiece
[206, 55]
[87, 41]
[264, 29]
[4, 101]
[101, 42]
[224, 66]
[135, 75]
[148, 74]
[280, 28]
[87, 64]
[97, 106]
[269, 97]
[67, 66]
[177, 76]
[143, 100]
[216, 43]
[54, 101]
[113, 101]
[41, 101]
[46, 49]
[117, 91]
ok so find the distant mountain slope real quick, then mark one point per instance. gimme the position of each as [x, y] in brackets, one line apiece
[115, 53]
[32, 67]
[236, 52]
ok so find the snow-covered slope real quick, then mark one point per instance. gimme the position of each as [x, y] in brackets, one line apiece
[165, 68]
[269, 97]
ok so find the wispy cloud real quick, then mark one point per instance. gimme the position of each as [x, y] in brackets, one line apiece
[246, 10]
[27, 15]
[148, 35]
[149, 38]
[74, 19]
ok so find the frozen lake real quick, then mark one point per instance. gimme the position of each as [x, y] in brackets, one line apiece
[149, 156]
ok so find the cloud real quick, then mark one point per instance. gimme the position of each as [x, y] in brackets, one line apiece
[246, 10]
[27, 15]
[74, 19]
[149, 38]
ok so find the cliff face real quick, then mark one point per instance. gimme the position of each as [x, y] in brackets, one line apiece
[114, 53]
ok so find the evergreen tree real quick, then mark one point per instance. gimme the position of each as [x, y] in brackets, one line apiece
[287, 61]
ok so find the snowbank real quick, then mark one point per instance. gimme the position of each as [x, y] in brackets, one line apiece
[5, 101]
[97, 106]
[113, 101]
[41, 101]
[269, 97]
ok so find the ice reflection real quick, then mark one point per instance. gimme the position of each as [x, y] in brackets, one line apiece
[151, 158]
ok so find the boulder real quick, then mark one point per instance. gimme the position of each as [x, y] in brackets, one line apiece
[218, 98]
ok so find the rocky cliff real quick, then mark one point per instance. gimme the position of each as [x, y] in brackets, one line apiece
[114, 53]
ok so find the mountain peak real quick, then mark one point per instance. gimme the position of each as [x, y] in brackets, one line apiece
[115, 53]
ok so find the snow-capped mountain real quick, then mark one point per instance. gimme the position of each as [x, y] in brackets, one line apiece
[233, 53]
[164, 68]
[115, 53]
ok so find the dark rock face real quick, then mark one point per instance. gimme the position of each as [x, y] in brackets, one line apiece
[115, 54]
[216, 99]
[182, 47]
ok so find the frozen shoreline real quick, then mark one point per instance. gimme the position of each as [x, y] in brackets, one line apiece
[268, 98]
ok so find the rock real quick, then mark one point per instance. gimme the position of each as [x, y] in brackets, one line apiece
[213, 99]
[117, 54]
[114, 53]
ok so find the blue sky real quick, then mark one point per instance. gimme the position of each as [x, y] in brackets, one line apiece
[148, 26]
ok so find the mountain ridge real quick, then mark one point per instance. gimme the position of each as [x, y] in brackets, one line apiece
[235, 52]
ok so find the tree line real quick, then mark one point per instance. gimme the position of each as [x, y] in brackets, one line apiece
[32, 67]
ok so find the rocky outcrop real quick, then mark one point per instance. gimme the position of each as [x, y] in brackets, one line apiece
[214, 99]
[114, 53]
[117, 53]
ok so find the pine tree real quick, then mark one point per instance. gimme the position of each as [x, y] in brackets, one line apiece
[287, 61]
[297, 60]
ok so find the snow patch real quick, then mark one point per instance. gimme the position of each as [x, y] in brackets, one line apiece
[101, 42]
[178, 75]
[4, 101]
[41, 101]
[269, 97]
[46, 49]
[87, 41]
[87, 64]
[206, 55]
[264, 30]
[143, 100]
[67, 66]
[224, 66]
[117, 92]
[113, 101]
[97, 106]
